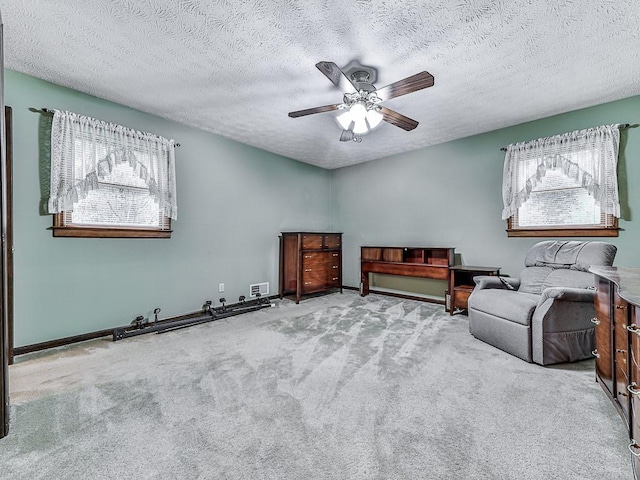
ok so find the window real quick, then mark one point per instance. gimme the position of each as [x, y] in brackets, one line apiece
[110, 181]
[564, 185]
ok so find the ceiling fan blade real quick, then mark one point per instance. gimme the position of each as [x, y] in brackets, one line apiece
[397, 119]
[408, 85]
[346, 135]
[310, 111]
[337, 76]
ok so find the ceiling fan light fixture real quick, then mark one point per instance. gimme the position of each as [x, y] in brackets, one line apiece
[358, 119]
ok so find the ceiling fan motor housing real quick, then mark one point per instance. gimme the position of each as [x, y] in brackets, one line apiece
[361, 79]
[362, 76]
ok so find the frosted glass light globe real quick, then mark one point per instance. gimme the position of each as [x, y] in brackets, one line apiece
[345, 120]
[374, 118]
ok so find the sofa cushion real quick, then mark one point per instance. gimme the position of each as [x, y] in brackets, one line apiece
[510, 305]
[532, 279]
[569, 278]
[572, 255]
[595, 253]
[553, 253]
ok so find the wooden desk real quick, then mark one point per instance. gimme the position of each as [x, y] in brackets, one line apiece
[461, 284]
[423, 262]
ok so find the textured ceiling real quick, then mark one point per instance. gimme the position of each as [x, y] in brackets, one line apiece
[237, 67]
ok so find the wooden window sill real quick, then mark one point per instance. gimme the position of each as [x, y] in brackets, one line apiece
[564, 232]
[109, 232]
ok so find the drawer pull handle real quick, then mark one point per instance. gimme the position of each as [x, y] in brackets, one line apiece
[621, 307]
[307, 256]
[307, 283]
[335, 254]
[633, 328]
[335, 278]
[632, 389]
[595, 321]
[595, 353]
[632, 447]
[307, 269]
[335, 266]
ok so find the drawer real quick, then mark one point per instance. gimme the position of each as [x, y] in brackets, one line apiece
[313, 258]
[312, 274]
[314, 270]
[311, 242]
[461, 297]
[313, 283]
[332, 241]
[621, 347]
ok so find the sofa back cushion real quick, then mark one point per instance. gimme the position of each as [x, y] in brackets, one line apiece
[570, 254]
[532, 279]
[556, 263]
[563, 277]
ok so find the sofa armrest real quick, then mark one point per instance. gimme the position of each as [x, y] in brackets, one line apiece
[561, 328]
[567, 294]
[491, 281]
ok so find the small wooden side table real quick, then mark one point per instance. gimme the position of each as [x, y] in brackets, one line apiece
[461, 284]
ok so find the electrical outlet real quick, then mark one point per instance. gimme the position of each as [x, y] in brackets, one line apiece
[221, 287]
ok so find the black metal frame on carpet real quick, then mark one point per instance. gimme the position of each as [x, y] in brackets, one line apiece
[141, 326]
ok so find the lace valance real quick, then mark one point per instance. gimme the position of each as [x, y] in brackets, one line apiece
[589, 156]
[84, 150]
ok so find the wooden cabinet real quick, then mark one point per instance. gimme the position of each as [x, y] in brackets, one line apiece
[617, 352]
[424, 262]
[310, 263]
[461, 284]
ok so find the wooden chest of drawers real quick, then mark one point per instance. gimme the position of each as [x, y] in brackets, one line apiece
[310, 262]
[617, 352]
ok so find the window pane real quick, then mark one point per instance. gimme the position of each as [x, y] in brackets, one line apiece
[111, 205]
[559, 200]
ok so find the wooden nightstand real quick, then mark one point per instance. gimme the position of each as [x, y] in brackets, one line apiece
[461, 284]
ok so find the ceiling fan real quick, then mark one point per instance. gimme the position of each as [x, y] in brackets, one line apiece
[361, 101]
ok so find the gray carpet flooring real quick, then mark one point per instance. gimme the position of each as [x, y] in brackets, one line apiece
[338, 387]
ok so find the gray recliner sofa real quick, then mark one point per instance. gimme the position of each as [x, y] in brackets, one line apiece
[545, 315]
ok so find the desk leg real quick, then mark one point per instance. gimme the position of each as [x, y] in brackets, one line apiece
[364, 281]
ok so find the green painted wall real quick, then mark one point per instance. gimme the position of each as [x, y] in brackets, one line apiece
[233, 201]
[451, 195]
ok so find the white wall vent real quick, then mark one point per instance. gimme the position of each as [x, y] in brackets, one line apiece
[261, 288]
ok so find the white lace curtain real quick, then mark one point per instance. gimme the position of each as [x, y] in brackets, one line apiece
[590, 156]
[84, 150]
